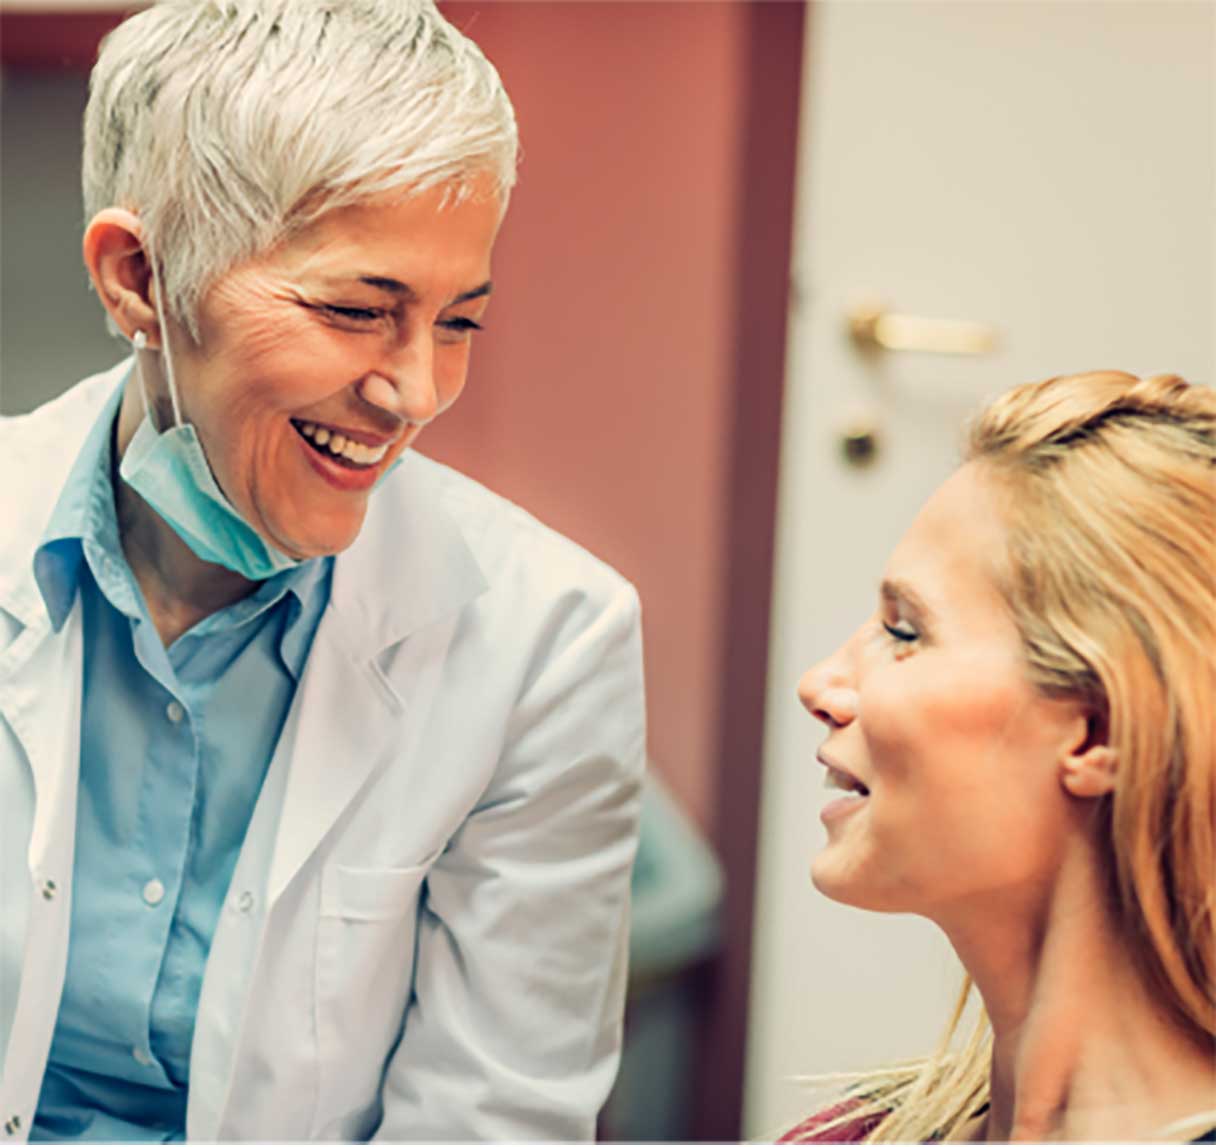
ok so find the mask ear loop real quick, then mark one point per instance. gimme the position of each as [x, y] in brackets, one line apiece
[167, 356]
[139, 340]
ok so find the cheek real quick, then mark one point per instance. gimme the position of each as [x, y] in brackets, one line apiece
[272, 368]
[286, 365]
[964, 794]
[923, 711]
[951, 743]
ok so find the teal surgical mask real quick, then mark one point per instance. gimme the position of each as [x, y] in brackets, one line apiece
[169, 470]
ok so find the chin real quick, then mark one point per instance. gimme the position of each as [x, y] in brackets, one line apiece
[319, 539]
[828, 880]
[835, 878]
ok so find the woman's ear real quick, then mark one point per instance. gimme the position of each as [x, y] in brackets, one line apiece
[121, 272]
[1088, 767]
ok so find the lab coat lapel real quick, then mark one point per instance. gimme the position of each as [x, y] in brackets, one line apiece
[40, 670]
[333, 747]
[376, 659]
[40, 685]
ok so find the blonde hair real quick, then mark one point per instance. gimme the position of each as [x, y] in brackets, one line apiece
[229, 124]
[1109, 506]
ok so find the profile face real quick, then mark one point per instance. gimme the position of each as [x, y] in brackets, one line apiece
[933, 721]
[320, 362]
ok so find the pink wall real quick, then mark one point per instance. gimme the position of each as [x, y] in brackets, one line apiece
[629, 392]
[600, 397]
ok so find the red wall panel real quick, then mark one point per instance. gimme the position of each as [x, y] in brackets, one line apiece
[600, 396]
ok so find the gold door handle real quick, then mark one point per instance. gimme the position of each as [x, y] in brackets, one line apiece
[874, 327]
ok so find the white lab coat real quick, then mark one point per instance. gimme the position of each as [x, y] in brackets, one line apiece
[425, 936]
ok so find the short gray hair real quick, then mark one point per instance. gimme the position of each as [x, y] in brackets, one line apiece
[228, 124]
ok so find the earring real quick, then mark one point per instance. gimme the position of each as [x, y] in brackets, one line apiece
[139, 340]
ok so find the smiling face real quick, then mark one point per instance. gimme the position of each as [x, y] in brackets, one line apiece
[319, 362]
[930, 711]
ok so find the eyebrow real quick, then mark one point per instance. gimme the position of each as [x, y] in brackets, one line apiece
[892, 589]
[405, 291]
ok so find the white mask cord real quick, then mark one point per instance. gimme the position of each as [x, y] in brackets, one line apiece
[167, 357]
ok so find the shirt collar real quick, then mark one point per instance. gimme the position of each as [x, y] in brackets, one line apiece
[84, 510]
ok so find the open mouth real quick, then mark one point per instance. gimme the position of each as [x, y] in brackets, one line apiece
[846, 783]
[336, 447]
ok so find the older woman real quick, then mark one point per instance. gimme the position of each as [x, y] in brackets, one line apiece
[1023, 736]
[300, 846]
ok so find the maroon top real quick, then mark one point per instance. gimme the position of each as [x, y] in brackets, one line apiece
[853, 1131]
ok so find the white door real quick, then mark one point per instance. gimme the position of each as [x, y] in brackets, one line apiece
[1047, 168]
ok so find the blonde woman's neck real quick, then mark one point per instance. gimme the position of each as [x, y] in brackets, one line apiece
[1082, 1051]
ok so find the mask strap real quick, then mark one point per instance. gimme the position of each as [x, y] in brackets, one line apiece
[139, 340]
[168, 358]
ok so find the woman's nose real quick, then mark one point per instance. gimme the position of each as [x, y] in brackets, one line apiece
[828, 693]
[406, 388]
[411, 398]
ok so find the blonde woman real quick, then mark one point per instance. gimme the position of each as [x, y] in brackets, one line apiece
[1024, 739]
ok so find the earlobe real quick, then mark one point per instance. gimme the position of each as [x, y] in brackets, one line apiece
[1089, 772]
[114, 255]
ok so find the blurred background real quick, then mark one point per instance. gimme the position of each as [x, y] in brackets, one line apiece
[763, 260]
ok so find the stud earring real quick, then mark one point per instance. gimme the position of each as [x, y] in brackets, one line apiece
[139, 340]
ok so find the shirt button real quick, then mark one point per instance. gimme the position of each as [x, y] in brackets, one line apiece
[141, 1057]
[49, 888]
[175, 712]
[12, 1125]
[154, 892]
[245, 903]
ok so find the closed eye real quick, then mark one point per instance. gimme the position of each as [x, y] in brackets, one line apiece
[354, 314]
[900, 633]
[461, 324]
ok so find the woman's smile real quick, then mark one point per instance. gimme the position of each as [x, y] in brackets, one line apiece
[837, 779]
[347, 459]
[342, 463]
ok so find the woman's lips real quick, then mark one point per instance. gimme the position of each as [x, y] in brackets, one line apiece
[842, 780]
[842, 807]
[340, 473]
[838, 777]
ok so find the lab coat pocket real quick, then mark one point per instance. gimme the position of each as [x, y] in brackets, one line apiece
[365, 963]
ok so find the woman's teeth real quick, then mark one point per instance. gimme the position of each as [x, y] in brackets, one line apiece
[835, 779]
[341, 446]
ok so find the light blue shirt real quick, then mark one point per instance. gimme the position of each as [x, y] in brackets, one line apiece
[174, 747]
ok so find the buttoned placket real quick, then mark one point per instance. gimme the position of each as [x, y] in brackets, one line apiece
[154, 892]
